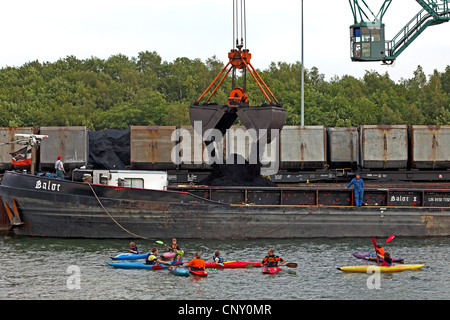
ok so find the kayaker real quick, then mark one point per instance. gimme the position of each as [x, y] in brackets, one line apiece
[152, 259]
[133, 248]
[177, 260]
[271, 260]
[218, 259]
[387, 260]
[380, 251]
[174, 247]
[197, 263]
[359, 189]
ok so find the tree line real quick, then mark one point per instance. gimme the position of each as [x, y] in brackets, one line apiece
[145, 90]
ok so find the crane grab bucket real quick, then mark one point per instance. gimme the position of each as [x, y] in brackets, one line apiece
[222, 117]
[212, 116]
[262, 118]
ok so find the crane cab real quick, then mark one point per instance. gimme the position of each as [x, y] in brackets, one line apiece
[367, 42]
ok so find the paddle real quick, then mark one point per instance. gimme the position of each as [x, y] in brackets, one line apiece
[178, 251]
[374, 241]
[290, 265]
[390, 239]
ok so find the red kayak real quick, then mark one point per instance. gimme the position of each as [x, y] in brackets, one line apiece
[271, 270]
[230, 264]
[200, 273]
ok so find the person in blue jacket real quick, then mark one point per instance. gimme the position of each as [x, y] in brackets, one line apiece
[359, 189]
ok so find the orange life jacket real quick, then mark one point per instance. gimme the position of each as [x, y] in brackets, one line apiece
[271, 261]
[197, 263]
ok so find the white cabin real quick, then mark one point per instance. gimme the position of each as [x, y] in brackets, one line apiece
[156, 180]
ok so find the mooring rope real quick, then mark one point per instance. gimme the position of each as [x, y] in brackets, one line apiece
[145, 238]
[109, 215]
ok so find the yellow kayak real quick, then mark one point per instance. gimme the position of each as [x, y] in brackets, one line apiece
[371, 268]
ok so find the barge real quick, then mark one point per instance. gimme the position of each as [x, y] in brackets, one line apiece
[48, 207]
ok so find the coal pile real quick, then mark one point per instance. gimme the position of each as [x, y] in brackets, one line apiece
[239, 173]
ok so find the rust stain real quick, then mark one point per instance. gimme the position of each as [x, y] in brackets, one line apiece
[428, 220]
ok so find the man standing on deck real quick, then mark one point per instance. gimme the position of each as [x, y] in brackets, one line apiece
[59, 167]
[359, 189]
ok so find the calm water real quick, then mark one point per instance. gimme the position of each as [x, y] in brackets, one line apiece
[39, 268]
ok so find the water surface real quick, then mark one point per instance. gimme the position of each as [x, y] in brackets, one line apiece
[40, 268]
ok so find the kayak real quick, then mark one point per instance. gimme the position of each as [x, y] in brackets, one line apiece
[137, 265]
[129, 256]
[394, 268]
[170, 255]
[230, 264]
[271, 270]
[200, 273]
[179, 271]
[368, 256]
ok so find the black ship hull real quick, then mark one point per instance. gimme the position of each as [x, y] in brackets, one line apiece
[60, 208]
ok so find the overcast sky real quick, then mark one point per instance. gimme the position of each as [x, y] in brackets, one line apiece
[47, 30]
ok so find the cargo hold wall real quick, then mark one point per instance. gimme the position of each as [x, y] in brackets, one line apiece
[71, 143]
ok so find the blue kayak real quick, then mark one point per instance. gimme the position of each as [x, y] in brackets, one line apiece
[179, 271]
[137, 265]
[129, 256]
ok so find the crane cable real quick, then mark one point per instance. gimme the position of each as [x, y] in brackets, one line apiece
[239, 14]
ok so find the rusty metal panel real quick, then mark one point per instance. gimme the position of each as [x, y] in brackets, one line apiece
[343, 147]
[295, 197]
[71, 143]
[151, 147]
[7, 134]
[430, 147]
[194, 157]
[303, 147]
[384, 146]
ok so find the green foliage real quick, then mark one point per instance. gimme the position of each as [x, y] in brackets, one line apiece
[120, 91]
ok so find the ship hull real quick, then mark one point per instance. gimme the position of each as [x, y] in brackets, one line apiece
[61, 208]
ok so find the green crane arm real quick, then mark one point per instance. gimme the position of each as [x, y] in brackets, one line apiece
[367, 37]
[433, 13]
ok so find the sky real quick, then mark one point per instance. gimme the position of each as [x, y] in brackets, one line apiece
[47, 30]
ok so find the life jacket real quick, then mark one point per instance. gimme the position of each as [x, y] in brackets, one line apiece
[218, 257]
[387, 262]
[135, 248]
[271, 261]
[176, 262]
[174, 247]
[150, 259]
[380, 251]
[197, 263]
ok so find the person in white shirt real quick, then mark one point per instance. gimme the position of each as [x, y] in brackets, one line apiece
[59, 167]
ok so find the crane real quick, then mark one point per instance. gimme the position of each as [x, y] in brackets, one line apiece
[367, 38]
[213, 116]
